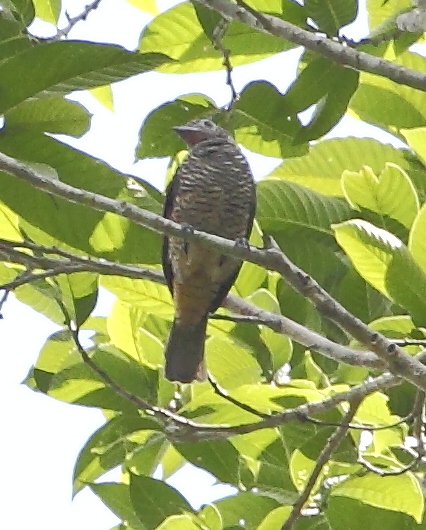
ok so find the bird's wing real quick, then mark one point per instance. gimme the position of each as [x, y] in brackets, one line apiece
[167, 209]
[229, 281]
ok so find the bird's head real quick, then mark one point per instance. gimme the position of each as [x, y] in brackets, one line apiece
[196, 131]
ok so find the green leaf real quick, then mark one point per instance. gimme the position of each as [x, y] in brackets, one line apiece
[379, 11]
[220, 458]
[231, 365]
[150, 296]
[387, 104]
[157, 138]
[321, 169]
[64, 66]
[390, 194]
[60, 372]
[48, 10]
[78, 294]
[104, 95]
[416, 243]
[181, 522]
[245, 510]
[21, 10]
[351, 514]
[338, 90]
[50, 113]
[117, 498]
[98, 233]
[273, 476]
[384, 261]
[178, 33]
[264, 122]
[108, 447]
[284, 205]
[331, 15]
[154, 501]
[400, 493]
[358, 297]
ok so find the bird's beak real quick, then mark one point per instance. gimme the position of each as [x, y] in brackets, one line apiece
[191, 135]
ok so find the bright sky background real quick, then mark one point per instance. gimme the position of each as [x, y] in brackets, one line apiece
[41, 437]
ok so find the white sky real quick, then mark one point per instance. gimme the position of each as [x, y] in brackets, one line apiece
[41, 437]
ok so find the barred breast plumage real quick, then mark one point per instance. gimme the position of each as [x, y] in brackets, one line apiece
[213, 191]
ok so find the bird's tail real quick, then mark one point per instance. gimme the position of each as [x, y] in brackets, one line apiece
[185, 353]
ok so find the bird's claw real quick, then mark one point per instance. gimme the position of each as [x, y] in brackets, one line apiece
[187, 229]
[242, 242]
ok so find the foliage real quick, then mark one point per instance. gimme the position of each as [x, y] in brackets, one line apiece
[350, 212]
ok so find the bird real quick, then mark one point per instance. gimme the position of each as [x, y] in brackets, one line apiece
[213, 191]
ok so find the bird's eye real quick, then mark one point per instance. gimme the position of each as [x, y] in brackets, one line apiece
[208, 123]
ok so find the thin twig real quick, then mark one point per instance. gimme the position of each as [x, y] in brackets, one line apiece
[360, 427]
[329, 448]
[72, 21]
[243, 406]
[217, 35]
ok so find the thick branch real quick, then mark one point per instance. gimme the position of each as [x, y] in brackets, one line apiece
[330, 49]
[272, 258]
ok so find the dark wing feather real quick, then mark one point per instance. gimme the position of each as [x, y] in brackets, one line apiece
[229, 281]
[167, 210]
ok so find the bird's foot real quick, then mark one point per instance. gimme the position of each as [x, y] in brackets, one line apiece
[187, 229]
[242, 242]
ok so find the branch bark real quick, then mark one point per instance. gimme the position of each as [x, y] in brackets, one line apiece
[335, 51]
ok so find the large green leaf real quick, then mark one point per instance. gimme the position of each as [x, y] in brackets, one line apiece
[416, 243]
[332, 106]
[154, 501]
[60, 372]
[321, 169]
[390, 194]
[285, 205]
[390, 105]
[65, 66]
[108, 447]
[52, 220]
[117, 498]
[400, 493]
[178, 33]
[230, 364]
[244, 510]
[220, 458]
[264, 122]
[386, 263]
[331, 15]
[49, 113]
[21, 10]
[272, 477]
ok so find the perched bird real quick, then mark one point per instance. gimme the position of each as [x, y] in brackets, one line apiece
[213, 191]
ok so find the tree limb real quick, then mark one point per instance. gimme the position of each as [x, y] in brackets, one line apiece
[271, 258]
[335, 51]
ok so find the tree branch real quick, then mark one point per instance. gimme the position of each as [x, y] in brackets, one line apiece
[278, 323]
[72, 21]
[271, 258]
[330, 49]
